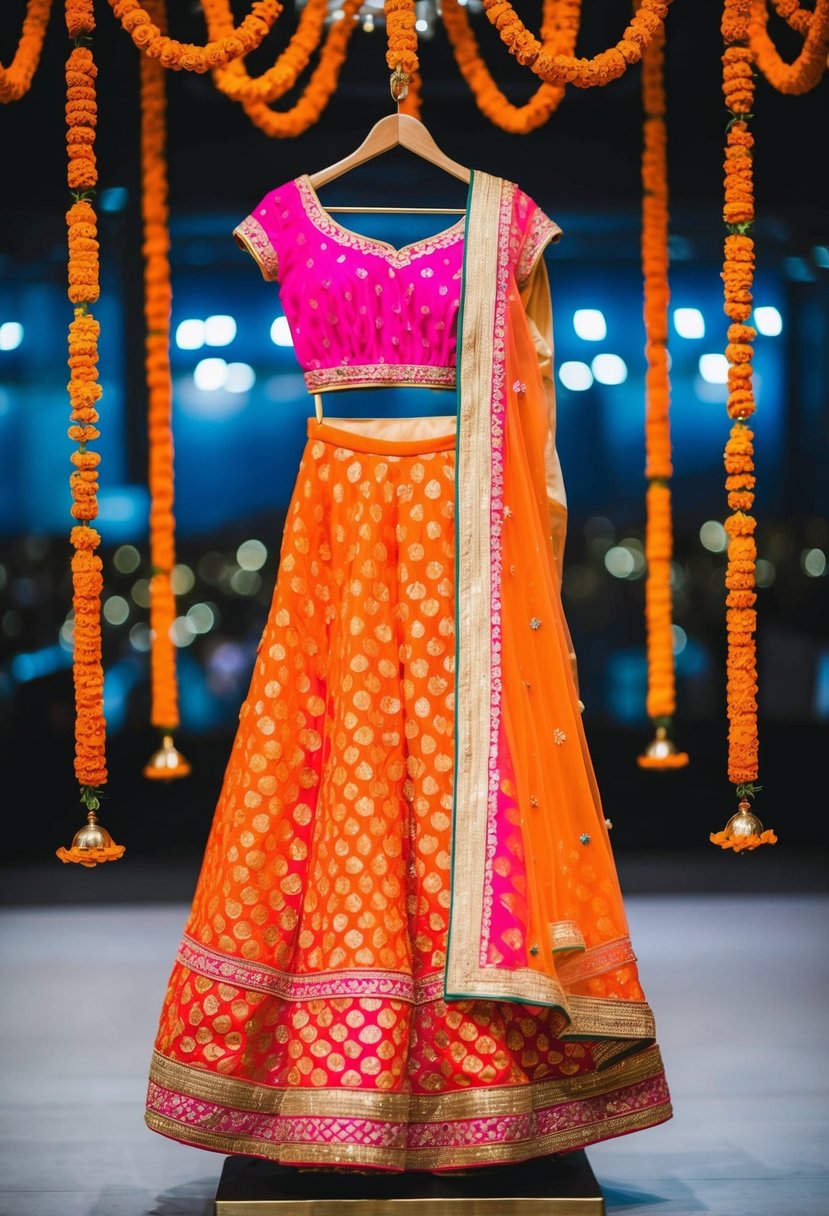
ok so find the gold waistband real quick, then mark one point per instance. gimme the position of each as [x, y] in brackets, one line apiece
[373, 375]
[387, 436]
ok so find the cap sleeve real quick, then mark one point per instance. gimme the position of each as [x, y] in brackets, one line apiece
[258, 234]
[537, 232]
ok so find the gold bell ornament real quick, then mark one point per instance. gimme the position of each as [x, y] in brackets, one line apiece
[91, 844]
[662, 752]
[743, 830]
[167, 763]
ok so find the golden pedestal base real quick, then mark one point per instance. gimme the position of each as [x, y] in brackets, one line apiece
[547, 1186]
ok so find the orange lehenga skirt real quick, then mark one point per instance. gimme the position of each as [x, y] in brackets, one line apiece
[305, 1019]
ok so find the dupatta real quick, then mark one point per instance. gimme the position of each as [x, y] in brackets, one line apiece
[536, 913]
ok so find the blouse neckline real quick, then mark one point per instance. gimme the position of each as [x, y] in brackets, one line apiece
[326, 223]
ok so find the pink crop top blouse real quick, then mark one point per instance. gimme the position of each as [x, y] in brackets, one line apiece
[361, 312]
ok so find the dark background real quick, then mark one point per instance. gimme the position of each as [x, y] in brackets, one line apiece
[234, 467]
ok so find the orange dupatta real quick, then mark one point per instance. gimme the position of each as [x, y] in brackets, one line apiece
[536, 913]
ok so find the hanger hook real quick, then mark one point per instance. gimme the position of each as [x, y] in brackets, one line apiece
[399, 84]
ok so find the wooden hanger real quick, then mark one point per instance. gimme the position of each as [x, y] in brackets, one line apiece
[393, 131]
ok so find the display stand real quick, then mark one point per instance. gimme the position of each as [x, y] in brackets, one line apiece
[547, 1186]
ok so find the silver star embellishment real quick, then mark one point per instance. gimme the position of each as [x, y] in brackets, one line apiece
[535, 623]
[558, 737]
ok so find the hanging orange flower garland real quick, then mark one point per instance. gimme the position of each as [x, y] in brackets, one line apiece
[743, 830]
[187, 56]
[401, 36]
[320, 88]
[91, 844]
[256, 92]
[559, 30]
[167, 762]
[555, 68]
[661, 699]
[233, 79]
[16, 79]
[810, 65]
[799, 19]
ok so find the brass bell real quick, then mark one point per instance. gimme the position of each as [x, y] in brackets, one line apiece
[91, 845]
[744, 822]
[167, 763]
[93, 836]
[660, 745]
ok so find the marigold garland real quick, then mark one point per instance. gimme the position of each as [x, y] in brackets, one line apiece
[738, 279]
[799, 19]
[556, 68]
[80, 18]
[16, 79]
[810, 65]
[187, 56]
[401, 36]
[560, 26]
[256, 92]
[164, 712]
[320, 88]
[233, 79]
[661, 697]
[84, 393]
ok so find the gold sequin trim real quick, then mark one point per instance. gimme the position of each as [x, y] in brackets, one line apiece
[369, 375]
[541, 232]
[252, 236]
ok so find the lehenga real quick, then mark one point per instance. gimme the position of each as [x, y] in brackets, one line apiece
[407, 947]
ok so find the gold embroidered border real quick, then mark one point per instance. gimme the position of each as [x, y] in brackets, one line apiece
[587, 1016]
[370, 375]
[252, 236]
[326, 224]
[541, 232]
[473, 590]
[566, 935]
[594, 1017]
[423, 1159]
[292, 986]
[597, 960]
[478, 1102]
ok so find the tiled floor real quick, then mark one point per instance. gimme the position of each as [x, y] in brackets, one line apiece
[738, 986]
